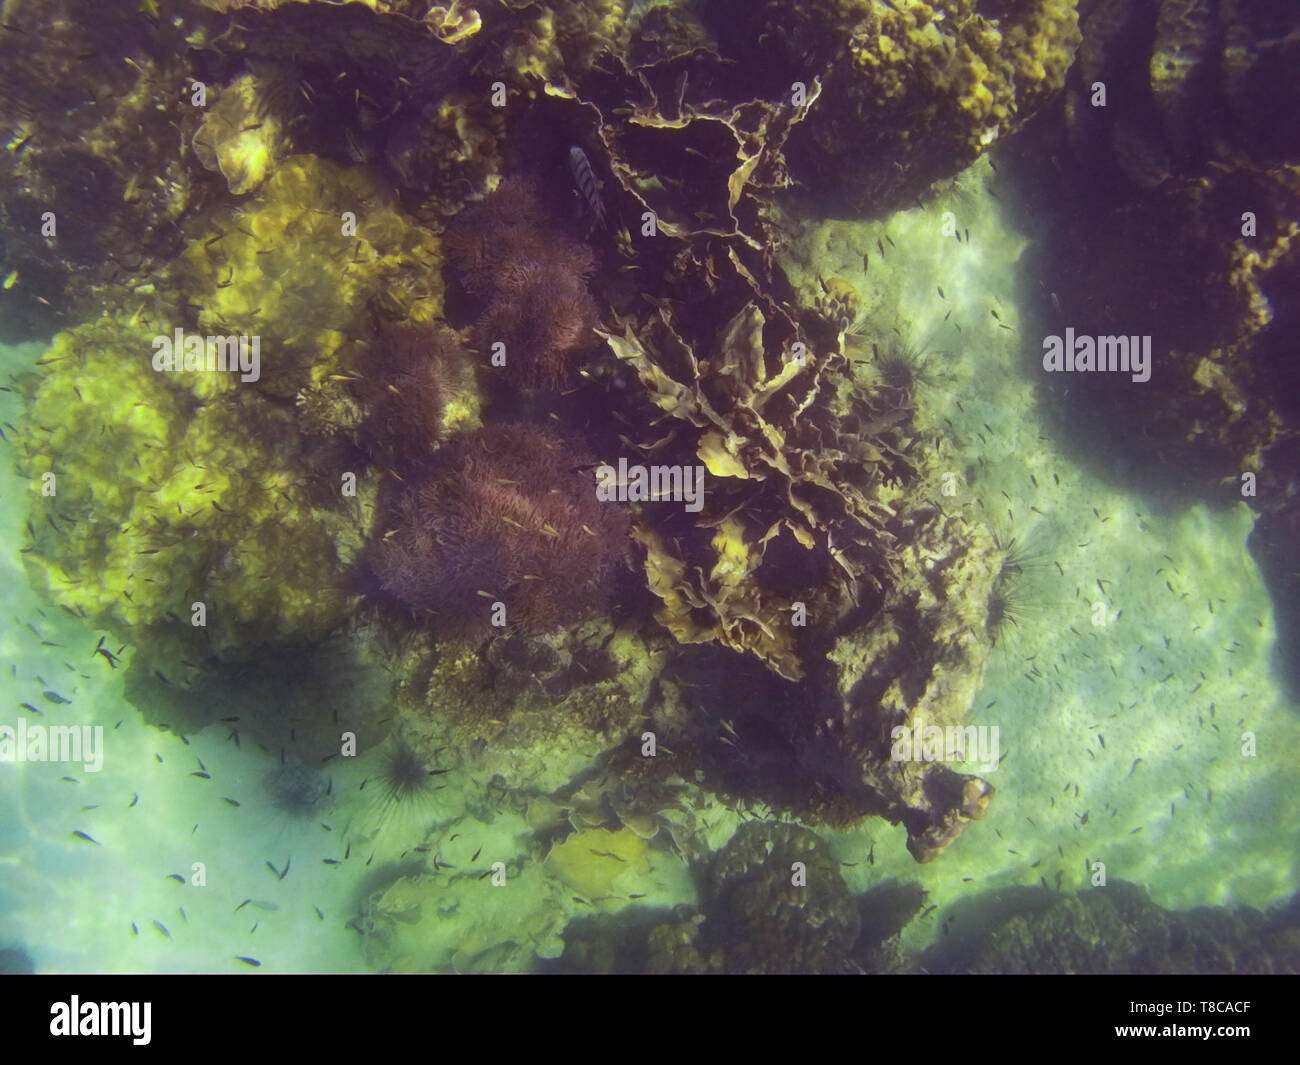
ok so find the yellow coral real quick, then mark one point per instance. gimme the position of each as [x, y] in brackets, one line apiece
[161, 501]
[590, 861]
[317, 248]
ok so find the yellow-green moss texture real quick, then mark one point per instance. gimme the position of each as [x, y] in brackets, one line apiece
[161, 500]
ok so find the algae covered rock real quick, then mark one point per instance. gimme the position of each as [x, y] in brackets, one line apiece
[915, 668]
[775, 902]
[1117, 929]
[905, 93]
[148, 499]
[1181, 226]
[426, 922]
[772, 901]
[240, 136]
[93, 190]
[303, 265]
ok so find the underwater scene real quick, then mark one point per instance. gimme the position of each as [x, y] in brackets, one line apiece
[650, 486]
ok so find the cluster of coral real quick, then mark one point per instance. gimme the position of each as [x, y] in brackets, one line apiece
[409, 362]
[450, 348]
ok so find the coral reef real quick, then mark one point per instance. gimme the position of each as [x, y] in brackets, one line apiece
[903, 94]
[502, 515]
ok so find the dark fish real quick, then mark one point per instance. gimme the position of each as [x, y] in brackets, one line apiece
[585, 179]
[89, 839]
[55, 697]
[248, 961]
[162, 928]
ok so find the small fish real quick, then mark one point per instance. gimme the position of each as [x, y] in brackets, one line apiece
[248, 961]
[89, 839]
[585, 178]
[162, 928]
[55, 697]
[176, 876]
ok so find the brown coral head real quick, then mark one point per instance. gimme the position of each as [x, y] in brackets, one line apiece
[529, 284]
[543, 328]
[479, 239]
[502, 531]
[406, 382]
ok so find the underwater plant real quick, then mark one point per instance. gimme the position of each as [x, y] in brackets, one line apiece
[503, 528]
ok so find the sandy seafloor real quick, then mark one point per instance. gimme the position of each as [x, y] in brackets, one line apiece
[1194, 823]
